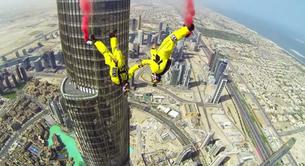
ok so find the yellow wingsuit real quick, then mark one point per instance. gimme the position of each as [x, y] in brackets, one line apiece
[160, 61]
[115, 60]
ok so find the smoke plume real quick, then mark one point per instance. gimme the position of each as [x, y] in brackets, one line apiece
[85, 7]
[189, 12]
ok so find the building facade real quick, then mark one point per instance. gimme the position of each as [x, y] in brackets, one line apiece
[98, 109]
[220, 69]
[220, 86]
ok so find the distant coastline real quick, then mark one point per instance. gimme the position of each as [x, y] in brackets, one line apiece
[288, 41]
[300, 58]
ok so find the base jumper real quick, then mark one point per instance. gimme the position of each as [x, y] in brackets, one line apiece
[114, 59]
[160, 60]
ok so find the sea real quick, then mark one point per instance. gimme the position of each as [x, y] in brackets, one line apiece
[291, 42]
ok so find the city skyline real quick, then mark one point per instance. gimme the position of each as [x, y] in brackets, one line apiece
[230, 96]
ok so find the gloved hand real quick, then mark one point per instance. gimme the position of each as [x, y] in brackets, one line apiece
[191, 27]
[126, 88]
[113, 33]
[92, 40]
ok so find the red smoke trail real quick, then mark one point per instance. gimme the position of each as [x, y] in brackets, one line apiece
[189, 12]
[85, 8]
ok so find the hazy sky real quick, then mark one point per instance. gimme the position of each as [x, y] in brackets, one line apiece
[17, 7]
[289, 13]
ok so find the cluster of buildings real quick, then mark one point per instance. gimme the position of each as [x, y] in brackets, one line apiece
[10, 79]
[28, 52]
[174, 114]
[33, 148]
[49, 60]
[179, 74]
[20, 113]
[196, 41]
[150, 98]
[43, 91]
[138, 37]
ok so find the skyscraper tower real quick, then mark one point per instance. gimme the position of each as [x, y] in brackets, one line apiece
[140, 22]
[98, 109]
[18, 72]
[220, 86]
[220, 69]
[160, 27]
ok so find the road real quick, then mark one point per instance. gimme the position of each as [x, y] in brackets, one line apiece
[255, 135]
[53, 75]
[267, 119]
[264, 151]
[183, 139]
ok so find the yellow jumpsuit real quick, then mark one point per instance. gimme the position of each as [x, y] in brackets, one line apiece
[115, 60]
[159, 58]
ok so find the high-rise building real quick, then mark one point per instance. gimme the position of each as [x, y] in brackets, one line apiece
[187, 76]
[98, 109]
[220, 86]
[149, 39]
[136, 50]
[167, 30]
[133, 24]
[140, 36]
[45, 60]
[173, 75]
[7, 82]
[24, 52]
[1, 82]
[26, 63]
[198, 39]
[212, 58]
[155, 39]
[214, 61]
[59, 57]
[178, 54]
[52, 59]
[14, 79]
[23, 73]
[17, 54]
[38, 65]
[18, 72]
[132, 83]
[208, 139]
[179, 74]
[160, 27]
[220, 69]
[140, 22]
[57, 112]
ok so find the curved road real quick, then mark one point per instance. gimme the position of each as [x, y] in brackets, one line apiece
[180, 135]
